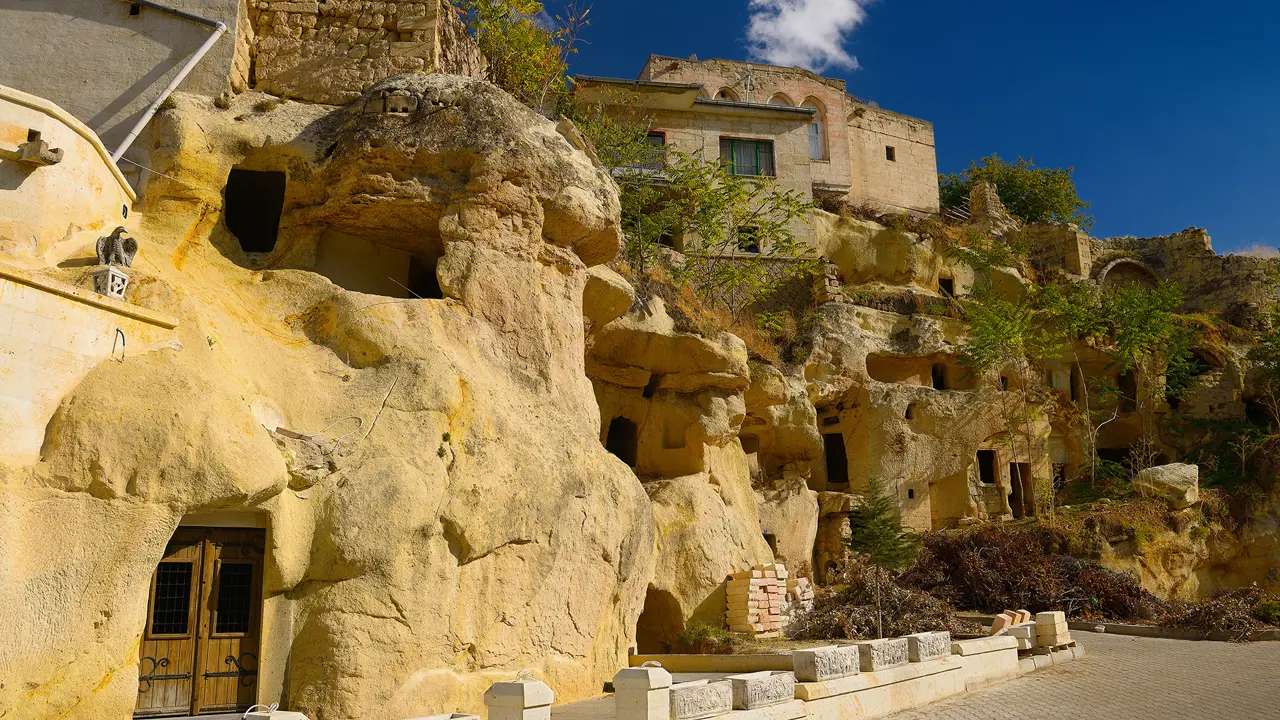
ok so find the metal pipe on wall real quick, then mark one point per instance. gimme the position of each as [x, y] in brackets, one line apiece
[218, 29]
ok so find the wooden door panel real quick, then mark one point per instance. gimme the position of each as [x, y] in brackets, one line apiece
[199, 650]
[227, 662]
[166, 661]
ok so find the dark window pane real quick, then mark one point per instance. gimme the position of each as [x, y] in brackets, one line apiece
[744, 158]
[766, 158]
[235, 585]
[173, 599]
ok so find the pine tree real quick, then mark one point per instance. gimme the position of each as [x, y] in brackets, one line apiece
[875, 530]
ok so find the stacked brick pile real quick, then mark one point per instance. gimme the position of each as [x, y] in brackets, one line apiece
[800, 592]
[1051, 629]
[755, 600]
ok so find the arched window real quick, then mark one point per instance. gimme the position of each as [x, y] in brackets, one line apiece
[817, 131]
[781, 100]
[727, 95]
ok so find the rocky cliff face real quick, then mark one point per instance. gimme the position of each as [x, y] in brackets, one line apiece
[448, 518]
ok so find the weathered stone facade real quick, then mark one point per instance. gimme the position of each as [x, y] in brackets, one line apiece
[326, 52]
[330, 52]
[858, 151]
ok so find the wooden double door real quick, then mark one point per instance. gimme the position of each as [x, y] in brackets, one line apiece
[199, 652]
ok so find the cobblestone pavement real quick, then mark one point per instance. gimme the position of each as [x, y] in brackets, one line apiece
[1130, 678]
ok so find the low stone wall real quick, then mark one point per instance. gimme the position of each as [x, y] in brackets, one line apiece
[937, 670]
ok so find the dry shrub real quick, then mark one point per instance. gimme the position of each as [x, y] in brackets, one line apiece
[996, 567]
[1235, 612]
[693, 314]
[700, 638]
[849, 610]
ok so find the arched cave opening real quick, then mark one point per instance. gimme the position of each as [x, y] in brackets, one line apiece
[623, 440]
[253, 201]
[659, 623]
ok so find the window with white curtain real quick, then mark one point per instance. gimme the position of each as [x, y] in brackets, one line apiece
[747, 157]
[817, 133]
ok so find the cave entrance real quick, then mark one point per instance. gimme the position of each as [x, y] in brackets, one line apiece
[623, 440]
[423, 281]
[1021, 494]
[837, 459]
[987, 466]
[939, 376]
[253, 202]
[1127, 384]
[199, 649]
[659, 623]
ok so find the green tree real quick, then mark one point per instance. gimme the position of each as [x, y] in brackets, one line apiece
[739, 232]
[875, 530]
[1031, 193]
[1264, 358]
[1007, 335]
[1142, 334]
[528, 52]
[1073, 314]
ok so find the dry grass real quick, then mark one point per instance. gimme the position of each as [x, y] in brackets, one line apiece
[694, 315]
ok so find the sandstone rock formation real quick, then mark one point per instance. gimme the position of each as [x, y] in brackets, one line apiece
[1178, 483]
[459, 523]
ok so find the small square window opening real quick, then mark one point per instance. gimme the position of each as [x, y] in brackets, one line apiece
[890, 153]
[135, 9]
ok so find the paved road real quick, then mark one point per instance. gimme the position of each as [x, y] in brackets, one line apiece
[1128, 678]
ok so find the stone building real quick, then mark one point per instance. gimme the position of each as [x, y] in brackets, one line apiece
[788, 123]
[313, 50]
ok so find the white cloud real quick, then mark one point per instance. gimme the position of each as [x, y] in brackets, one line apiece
[808, 33]
[543, 19]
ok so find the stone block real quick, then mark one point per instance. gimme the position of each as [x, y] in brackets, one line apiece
[520, 699]
[876, 655]
[762, 689]
[1023, 632]
[925, 646]
[413, 49]
[296, 7]
[642, 693]
[825, 663]
[701, 699]
[1052, 617]
[1000, 624]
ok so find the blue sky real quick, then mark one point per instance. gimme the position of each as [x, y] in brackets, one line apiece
[1169, 111]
